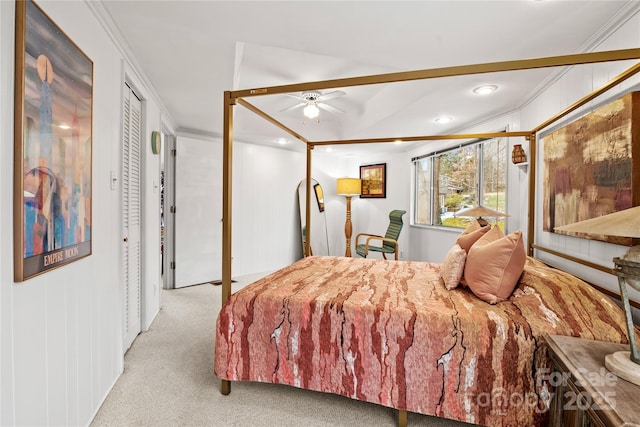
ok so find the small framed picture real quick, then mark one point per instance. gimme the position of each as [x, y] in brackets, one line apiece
[374, 181]
[319, 196]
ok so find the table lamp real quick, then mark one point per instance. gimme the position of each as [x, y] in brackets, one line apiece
[348, 187]
[625, 223]
[480, 211]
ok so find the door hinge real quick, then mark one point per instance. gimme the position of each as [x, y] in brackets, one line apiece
[173, 265]
[173, 152]
[173, 209]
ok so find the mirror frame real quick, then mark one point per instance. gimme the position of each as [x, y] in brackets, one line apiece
[318, 193]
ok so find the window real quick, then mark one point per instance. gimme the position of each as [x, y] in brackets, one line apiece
[466, 176]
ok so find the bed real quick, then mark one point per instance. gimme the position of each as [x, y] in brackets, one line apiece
[391, 333]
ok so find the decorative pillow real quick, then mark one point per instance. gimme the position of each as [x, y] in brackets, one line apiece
[471, 234]
[453, 266]
[494, 265]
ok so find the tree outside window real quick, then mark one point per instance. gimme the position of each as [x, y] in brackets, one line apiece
[460, 178]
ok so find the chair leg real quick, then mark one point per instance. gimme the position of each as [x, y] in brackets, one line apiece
[396, 253]
[384, 256]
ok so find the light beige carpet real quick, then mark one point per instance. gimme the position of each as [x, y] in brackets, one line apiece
[168, 380]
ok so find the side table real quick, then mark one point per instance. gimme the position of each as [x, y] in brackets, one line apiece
[586, 393]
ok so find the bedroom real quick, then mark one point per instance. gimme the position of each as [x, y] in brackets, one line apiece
[30, 303]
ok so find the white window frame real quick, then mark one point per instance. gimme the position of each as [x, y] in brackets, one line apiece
[430, 157]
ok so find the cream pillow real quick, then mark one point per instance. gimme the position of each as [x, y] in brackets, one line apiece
[494, 265]
[453, 266]
[471, 234]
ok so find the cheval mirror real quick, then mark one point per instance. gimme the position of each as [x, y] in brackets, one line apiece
[319, 237]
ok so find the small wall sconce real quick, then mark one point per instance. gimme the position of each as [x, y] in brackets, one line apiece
[156, 142]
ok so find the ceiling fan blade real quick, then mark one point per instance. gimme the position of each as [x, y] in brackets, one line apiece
[329, 108]
[293, 107]
[331, 95]
[293, 95]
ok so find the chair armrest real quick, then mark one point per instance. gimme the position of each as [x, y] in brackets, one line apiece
[366, 234]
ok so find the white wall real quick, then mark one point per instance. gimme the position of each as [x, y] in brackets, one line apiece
[577, 82]
[266, 228]
[265, 224]
[151, 264]
[61, 332]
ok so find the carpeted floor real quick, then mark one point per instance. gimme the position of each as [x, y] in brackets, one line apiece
[168, 380]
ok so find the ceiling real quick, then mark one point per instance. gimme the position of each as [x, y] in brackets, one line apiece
[192, 51]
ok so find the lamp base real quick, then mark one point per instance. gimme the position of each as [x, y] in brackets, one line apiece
[620, 363]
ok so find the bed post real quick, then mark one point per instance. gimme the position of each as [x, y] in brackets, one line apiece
[227, 161]
[402, 418]
[307, 240]
[532, 193]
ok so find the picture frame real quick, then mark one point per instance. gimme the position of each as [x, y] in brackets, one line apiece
[591, 167]
[53, 146]
[317, 189]
[374, 181]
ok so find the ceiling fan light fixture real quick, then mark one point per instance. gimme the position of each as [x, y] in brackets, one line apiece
[485, 89]
[312, 101]
[311, 111]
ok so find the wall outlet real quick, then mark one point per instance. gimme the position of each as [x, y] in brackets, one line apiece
[401, 254]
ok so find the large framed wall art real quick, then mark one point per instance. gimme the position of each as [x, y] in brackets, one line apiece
[52, 147]
[592, 167]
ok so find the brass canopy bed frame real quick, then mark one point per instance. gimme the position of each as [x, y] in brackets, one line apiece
[232, 98]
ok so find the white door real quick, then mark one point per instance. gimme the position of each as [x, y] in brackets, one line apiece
[131, 212]
[198, 212]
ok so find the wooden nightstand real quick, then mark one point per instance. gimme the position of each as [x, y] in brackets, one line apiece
[586, 393]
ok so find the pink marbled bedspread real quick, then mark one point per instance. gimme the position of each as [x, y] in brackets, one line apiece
[390, 333]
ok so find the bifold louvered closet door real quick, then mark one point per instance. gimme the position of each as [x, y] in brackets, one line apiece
[131, 212]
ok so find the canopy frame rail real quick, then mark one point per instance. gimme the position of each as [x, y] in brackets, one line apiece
[460, 70]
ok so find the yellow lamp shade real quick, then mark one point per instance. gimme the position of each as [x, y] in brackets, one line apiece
[348, 186]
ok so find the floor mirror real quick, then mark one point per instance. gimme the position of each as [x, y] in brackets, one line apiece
[319, 238]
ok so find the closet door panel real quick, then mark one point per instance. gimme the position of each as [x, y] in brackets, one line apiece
[131, 214]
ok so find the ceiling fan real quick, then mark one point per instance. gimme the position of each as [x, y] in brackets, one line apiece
[313, 101]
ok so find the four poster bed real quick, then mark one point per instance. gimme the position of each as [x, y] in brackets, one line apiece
[402, 334]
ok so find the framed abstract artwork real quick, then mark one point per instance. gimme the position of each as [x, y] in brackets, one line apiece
[592, 167]
[52, 146]
[374, 181]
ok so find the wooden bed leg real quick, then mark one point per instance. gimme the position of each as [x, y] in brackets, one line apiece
[402, 418]
[225, 387]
